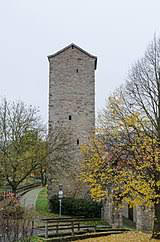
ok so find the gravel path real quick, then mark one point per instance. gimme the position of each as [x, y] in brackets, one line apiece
[29, 199]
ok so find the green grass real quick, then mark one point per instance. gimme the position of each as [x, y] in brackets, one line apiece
[42, 204]
[42, 201]
[36, 239]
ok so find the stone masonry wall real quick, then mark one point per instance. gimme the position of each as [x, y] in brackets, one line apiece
[72, 96]
[144, 218]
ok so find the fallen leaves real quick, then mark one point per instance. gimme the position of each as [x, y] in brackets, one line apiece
[125, 237]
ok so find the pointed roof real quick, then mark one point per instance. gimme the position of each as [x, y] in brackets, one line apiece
[72, 45]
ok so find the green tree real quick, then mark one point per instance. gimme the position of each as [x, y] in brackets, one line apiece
[20, 134]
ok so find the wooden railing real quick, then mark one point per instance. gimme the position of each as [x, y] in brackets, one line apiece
[26, 188]
[69, 225]
[20, 190]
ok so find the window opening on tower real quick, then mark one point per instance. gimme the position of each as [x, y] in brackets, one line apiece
[77, 141]
[70, 117]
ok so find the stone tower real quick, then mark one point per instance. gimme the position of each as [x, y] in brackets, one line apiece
[72, 93]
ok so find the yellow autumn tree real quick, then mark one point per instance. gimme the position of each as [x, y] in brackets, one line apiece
[130, 134]
[124, 155]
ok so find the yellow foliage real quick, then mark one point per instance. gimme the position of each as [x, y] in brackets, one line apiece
[130, 165]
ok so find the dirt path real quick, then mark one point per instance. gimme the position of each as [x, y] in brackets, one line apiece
[29, 199]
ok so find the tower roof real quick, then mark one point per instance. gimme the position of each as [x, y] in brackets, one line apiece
[77, 47]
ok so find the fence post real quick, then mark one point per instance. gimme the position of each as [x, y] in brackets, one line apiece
[57, 225]
[32, 229]
[79, 226]
[72, 228]
[46, 230]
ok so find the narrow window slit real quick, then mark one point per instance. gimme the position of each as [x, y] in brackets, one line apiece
[77, 141]
[70, 117]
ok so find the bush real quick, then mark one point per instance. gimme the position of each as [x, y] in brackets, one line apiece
[16, 221]
[76, 207]
[10, 206]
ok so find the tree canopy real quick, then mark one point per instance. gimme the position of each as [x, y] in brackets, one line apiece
[126, 149]
[21, 133]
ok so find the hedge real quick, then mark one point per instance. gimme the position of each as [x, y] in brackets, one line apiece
[76, 207]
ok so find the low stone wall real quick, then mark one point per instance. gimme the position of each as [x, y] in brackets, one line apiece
[144, 218]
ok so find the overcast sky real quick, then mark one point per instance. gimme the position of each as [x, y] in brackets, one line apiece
[116, 31]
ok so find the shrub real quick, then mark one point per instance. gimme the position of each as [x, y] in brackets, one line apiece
[76, 207]
[10, 206]
[16, 221]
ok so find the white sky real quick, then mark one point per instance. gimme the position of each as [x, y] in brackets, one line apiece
[116, 31]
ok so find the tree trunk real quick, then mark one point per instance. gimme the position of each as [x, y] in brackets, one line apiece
[43, 177]
[156, 222]
[14, 188]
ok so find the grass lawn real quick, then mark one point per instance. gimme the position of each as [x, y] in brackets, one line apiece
[42, 204]
[125, 237]
[42, 201]
[36, 239]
